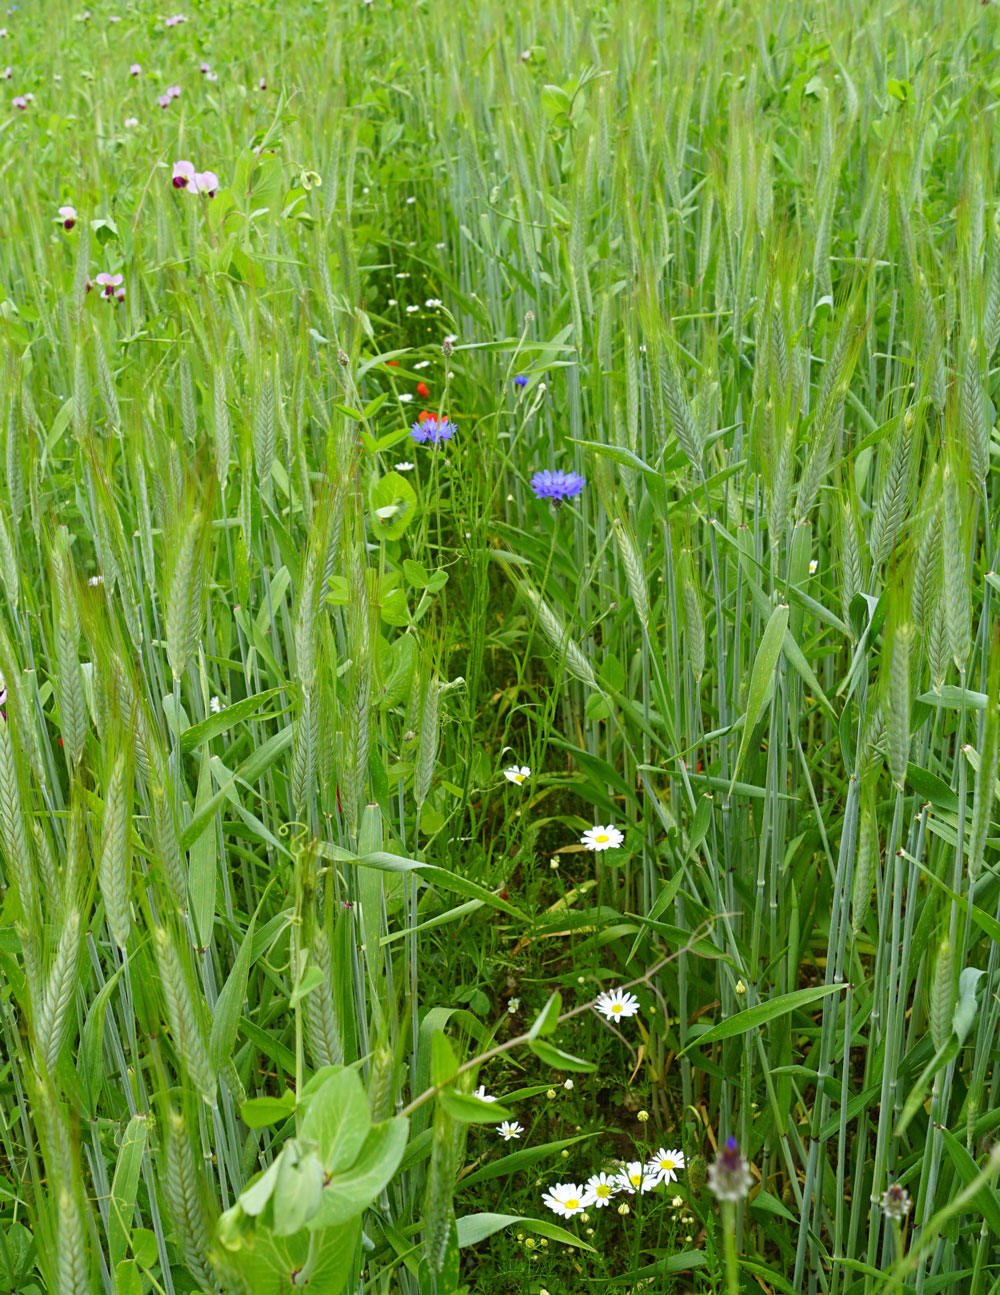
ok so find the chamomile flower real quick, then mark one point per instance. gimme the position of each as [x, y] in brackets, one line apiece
[483, 1095]
[510, 1129]
[517, 774]
[665, 1165]
[602, 1188]
[616, 1004]
[635, 1178]
[567, 1199]
[602, 838]
[214, 705]
[813, 566]
[405, 467]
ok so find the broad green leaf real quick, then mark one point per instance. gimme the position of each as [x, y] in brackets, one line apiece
[517, 1161]
[229, 1004]
[473, 1228]
[124, 1186]
[258, 1112]
[986, 1200]
[224, 720]
[297, 1189]
[548, 1018]
[349, 1193]
[471, 1110]
[267, 1266]
[761, 680]
[337, 1119]
[762, 1013]
[558, 1059]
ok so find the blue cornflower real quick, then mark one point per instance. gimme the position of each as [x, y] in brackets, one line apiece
[520, 380]
[429, 427]
[557, 486]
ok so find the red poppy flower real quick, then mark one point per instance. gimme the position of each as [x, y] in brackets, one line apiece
[423, 390]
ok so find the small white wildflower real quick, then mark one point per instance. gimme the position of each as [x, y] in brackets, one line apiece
[567, 1199]
[602, 1189]
[215, 706]
[665, 1165]
[568, 1085]
[482, 1094]
[405, 398]
[513, 1005]
[432, 303]
[517, 774]
[404, 467]
[634, 1178]
[813, 567]
[616, 1003]
[602, 838]
[510, 1129]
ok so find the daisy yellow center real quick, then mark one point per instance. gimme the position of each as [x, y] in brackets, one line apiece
[603, 1190]
[616, 1007]
[635, 1179]
[572, 1203]
[519, 777]
[666, 1163]
[602, 837]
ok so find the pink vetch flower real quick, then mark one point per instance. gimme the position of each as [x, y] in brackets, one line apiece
[204, 67]
[262, 84]
[113, 17]
[206, 182]
[130, 122]
[19, 101]
[68, 217]
[135, 69]
[164, 100]
[174, 91]
[211, 76]
[111, 285]
[183, 174]
[3, 33]
[8, 72]
[175, 20]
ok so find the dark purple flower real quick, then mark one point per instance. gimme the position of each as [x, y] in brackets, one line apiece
[557, 485]
[430, 428]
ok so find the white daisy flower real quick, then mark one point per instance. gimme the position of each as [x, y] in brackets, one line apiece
[392, 302]
[410, 201]
[813, 566]
[405, 398]
[666, 1165]
[602, 838]
[510, 1129]
[451, 337]
[601, 1187]
[567, 1199]
[482, 1094]
[634, 1178]
[412, 310]
[404, 467]
[616, 1004]
[421, 364]
[432, 303]
[214, 705]
[517, 774]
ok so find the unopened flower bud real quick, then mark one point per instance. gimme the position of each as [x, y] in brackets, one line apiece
[642, 1116]
[447, 348]
[342, 357]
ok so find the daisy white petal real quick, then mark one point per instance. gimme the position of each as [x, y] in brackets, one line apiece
[616, 1003]
[602, 838]
[517, 774]
[634, 1178]
[666, 1164]
[602, 1188]
[510, 1129]
[567, 1199]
